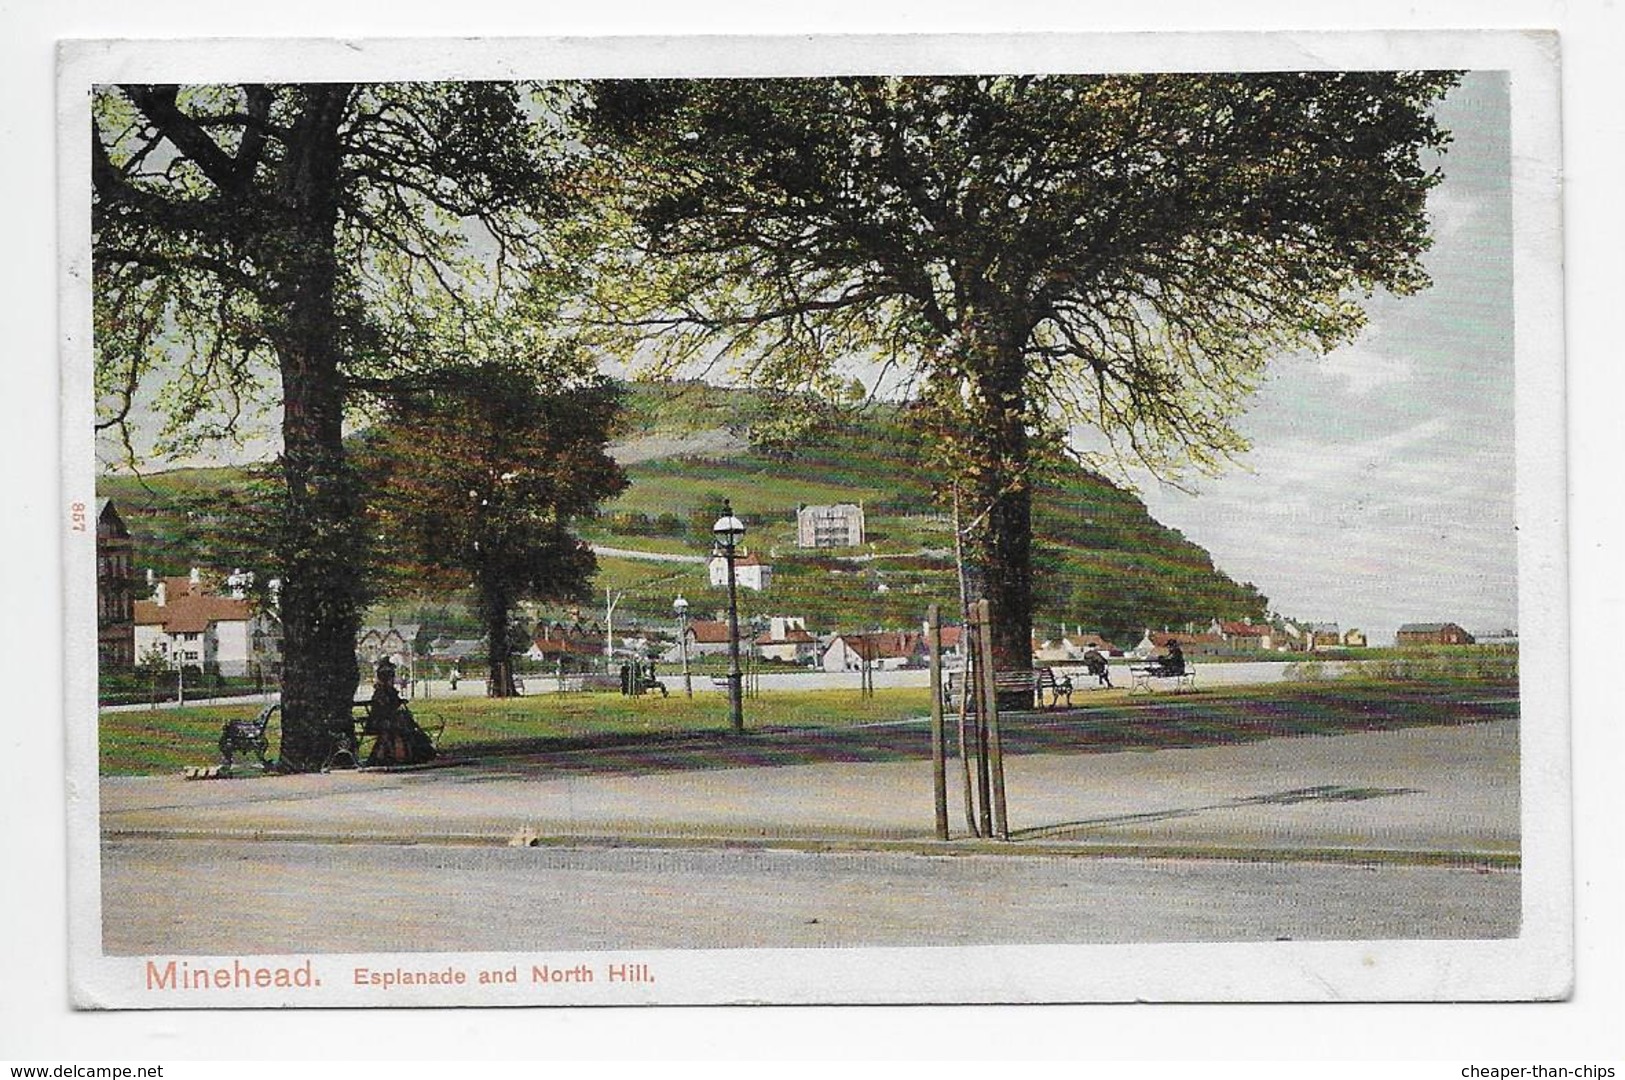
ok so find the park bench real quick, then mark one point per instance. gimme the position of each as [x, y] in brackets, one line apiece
[1146, 677]
[245, 736]
[351, 740]
[1036, 683]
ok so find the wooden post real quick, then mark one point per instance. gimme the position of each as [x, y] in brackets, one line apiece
[939, 764]
[981, 688]
[967, 691]
[995, 750]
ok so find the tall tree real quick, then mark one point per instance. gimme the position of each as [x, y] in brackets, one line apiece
[1033, 253]
[313, 238]
[478, 479]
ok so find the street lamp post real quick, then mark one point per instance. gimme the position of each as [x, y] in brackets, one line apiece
[728, 531]
[680, 606]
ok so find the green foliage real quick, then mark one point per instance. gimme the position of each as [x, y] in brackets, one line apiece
[1126, 249]
[479, 480]
[327, 239]
[1029, 253]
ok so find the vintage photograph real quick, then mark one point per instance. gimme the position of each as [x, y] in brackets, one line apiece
[553, 529]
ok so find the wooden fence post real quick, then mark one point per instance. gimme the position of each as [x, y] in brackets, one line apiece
[995, 749]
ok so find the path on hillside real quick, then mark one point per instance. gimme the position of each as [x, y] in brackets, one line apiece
[647, 556]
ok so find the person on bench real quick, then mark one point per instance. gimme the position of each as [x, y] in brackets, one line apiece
[1170, 665]
[398, 739]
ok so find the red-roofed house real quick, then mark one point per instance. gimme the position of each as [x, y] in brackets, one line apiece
[188, 625]
[708, 637]
[1244, 636]
[884, 651]
[566, 649]
[1190, 644]
[787, 639]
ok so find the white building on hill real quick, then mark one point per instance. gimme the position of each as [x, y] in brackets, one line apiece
[840, 525]
[749, 571]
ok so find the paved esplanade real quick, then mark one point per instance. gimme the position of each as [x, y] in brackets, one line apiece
[1436, 793]
[826, 838]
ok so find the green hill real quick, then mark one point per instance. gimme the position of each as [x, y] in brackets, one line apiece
[1100, 559]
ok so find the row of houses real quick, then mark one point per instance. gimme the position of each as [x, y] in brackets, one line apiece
[209, 622]
[185, 622]
[196, 621]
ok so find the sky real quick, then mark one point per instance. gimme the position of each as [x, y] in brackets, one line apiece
[1379, 489]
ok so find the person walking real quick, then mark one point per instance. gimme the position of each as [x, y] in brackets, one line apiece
[1096, 663]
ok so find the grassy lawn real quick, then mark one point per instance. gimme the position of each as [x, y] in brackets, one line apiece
[167, 740]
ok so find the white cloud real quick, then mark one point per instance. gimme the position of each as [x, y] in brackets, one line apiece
[1364, 370]
[1411, 525]
[1452, 211]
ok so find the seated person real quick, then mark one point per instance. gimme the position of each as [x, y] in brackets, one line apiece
[398, 739]
[1170, 663]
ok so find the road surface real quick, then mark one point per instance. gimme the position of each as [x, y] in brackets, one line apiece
[227, 898]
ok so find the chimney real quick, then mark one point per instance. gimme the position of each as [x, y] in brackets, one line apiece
[194, 579]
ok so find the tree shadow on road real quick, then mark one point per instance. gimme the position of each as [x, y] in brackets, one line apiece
[1323, 793]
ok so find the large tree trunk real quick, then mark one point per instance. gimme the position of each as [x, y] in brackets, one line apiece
[322, 543]
[1002, 498]
[496, 611]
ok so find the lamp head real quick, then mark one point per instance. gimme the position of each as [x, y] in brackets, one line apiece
[728, 530]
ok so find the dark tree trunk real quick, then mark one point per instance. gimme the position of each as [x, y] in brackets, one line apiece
[496, 608]
[1001, 548]
[322, 543]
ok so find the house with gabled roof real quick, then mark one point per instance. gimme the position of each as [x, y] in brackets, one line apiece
[709, 637]
[1323, 635]
[887, 650]
[1447, 633]
[1244, 636]
[1192, 645]
[397, 644]
[186, 624]
[786, 639]
[750, 572]
[565, 648]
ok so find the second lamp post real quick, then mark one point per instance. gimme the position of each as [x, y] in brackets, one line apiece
[727, 532]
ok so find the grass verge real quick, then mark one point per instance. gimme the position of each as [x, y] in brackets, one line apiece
[148, 741]
[167, 740]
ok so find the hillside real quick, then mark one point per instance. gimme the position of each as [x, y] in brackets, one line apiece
[1101, 560]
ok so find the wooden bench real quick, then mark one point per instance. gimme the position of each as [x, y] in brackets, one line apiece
[243, 736]
[350, 739]
[1146, 676]
[1035, 683]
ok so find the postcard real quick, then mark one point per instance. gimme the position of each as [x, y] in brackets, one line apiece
[849, 520]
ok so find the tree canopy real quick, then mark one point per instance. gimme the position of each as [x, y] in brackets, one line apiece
[1029, 253]
[326, 239]
[477, 481]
